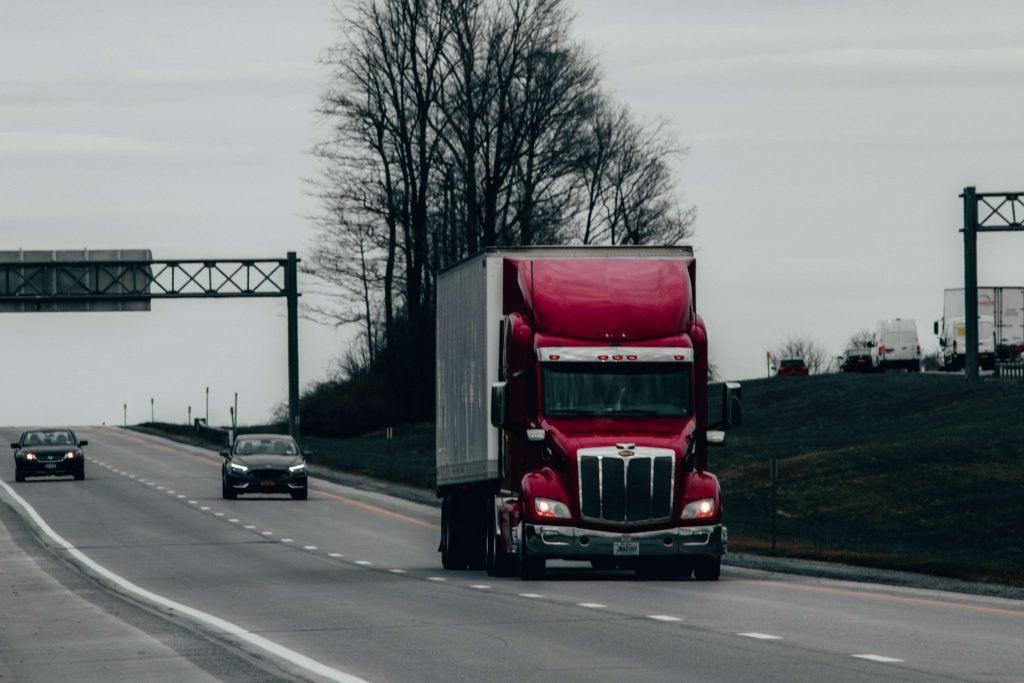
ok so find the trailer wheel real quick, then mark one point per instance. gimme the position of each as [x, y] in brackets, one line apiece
[707, 568]
[453, 556]
[530, 568]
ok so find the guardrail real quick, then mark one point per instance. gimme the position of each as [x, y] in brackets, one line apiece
[1010, 370]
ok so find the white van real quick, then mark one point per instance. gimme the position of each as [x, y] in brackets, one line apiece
[954, 344]
[896, 345]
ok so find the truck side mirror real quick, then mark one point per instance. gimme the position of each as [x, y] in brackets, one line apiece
[732, 405]
[935, 328]
[499, 407]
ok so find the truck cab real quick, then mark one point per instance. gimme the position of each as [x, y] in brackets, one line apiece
[598, 409]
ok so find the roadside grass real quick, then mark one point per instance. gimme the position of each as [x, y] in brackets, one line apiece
[407, 458]
[913, 472]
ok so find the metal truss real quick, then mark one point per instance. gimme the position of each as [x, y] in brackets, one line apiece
[999, 211]
[53, 281]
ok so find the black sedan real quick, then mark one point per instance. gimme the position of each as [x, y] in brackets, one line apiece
[264, 463]
[48, 453]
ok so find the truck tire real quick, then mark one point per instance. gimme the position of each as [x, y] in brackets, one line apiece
[496, 561]
[707, 568]
[530, 568]
[453, 556]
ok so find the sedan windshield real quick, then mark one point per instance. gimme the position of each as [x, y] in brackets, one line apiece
[56, 437]
[619, 389]
[266, 447]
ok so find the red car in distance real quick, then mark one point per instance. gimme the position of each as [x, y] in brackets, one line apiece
[791, 367]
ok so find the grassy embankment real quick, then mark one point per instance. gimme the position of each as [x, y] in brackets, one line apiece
[897, 471]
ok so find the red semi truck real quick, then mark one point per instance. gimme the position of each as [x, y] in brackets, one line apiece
[572, 413]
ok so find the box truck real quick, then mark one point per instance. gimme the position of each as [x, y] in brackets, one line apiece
[1004, 305]
[572, 413]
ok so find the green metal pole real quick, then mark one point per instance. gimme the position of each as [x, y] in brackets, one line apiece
[291, 280]
[971, 283]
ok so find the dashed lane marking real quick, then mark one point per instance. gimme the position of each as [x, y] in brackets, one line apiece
[879, 658]
[760, 636]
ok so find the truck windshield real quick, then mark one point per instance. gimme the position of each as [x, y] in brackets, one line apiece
[619, 389]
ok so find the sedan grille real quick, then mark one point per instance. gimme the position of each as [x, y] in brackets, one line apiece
[634, 489]
[264, 475]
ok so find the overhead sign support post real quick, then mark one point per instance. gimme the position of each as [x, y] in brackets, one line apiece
[983, 212]
[127, 280]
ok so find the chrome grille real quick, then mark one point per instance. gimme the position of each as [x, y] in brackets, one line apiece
[635, 489]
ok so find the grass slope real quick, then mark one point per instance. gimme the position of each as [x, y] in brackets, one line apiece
[904, 471]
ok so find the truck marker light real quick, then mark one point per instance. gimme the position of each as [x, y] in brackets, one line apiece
[602, 357]
[554, 356]
[616, 357]
[680, 357]
[630, 357]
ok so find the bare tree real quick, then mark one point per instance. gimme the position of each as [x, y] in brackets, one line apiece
[861, 339]
[811, 351]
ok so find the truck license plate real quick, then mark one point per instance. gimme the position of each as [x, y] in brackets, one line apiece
[626, 548]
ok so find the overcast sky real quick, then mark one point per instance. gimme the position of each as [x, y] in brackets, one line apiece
[828, 144]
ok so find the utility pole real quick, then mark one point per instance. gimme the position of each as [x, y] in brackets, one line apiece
[151, 413]
[125, 414]
[189, 416]
[207, 406]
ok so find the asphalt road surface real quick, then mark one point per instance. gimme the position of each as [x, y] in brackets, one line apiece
[143, 572]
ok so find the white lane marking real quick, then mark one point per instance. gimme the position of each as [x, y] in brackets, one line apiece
[287, 540]
[233, 520]
[218, 514]
[436, 578]
[267, 533]
[397, 571]
[250, 526]
[309, 547]
[591, 605]
[159, 488]
[181, 495]
[150, 484]
[231, 629]
[531, 596]
[363, 563]
[480, 586]
[663, 617]
[205, 508]
[879, 658]
[132, 476]
[335, 555]
[192, 502]
[760, 636]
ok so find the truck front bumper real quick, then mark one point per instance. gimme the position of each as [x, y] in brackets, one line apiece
[573, 543]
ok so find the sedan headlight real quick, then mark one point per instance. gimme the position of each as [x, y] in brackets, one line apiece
[30, 456]
[237, 467]
[699, 509]
[545, 507]
[301, 467]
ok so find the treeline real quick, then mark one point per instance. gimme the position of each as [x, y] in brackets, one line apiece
[452, 126]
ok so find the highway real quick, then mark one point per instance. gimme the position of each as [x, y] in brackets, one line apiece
[142, 571]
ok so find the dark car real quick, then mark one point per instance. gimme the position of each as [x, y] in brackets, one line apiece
[264, 463]
[791, 367]
[48, 453]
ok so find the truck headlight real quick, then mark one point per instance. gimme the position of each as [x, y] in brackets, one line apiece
[699, 509]
[552, 509]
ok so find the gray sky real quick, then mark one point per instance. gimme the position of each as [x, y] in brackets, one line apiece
[828, 144]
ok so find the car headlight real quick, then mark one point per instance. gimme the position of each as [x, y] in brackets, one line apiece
[30, 456]
[699, 509]
[545, 507]
[70, 455]
[238, 468]
[297, 468]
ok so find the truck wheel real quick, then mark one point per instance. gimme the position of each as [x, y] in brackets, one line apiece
[497, 561]
[530, 568]
[452, 557]
[707, 568]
